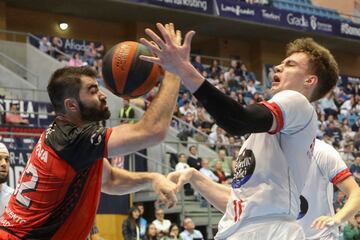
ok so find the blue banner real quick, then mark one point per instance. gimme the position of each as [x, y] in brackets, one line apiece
[282, 18]
[200, 6]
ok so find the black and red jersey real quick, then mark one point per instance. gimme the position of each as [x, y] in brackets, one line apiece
[59, 191]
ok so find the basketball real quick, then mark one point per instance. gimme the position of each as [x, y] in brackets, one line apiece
[125, 74]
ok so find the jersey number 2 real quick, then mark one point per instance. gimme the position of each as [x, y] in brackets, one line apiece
[29, 186]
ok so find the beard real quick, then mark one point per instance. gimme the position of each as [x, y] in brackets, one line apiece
[93, 114]
[3, 179]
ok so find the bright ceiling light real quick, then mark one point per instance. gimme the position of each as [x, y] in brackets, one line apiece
[63, 26]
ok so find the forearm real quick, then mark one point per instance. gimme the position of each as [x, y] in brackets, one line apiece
[123, 182]
[350, 208]
[218, 195]
[159, 114]
[230, 115]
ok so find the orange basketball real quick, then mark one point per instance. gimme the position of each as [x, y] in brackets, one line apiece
[125, 74]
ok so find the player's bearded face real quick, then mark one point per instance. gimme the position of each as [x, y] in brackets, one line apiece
[94, 112]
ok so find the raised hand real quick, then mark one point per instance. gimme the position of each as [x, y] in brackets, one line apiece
[169, 53]
[166, 189]
[181, 177]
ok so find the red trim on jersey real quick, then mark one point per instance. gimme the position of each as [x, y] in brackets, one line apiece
[341, 176]
[276, 110]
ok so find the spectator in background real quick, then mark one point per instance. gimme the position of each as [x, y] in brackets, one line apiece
[13, 116]
[355, 169]
[187, 107]
[56, 47]
[356, 126]
[75, 61]
[130, 226]
[219, 172]
[225, 162]
[190, 233]
[328, 105]
[200, 135]
[206, 171]
[94, 233]
[90, 54]
[182, 162]
[45, 45]
[245, 74]
[217, 139]
[197, 64]
[162, 225]
[183, 98]
[352, 229]
[127, 113]
[151, 233]
[340, 201]
[174, 233]
[347, 154]
[214, 70]
[142, 221]
[194, 160]
[233, 148]
[5, 190]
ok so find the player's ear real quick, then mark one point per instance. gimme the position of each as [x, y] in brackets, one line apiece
[71, 105]
[311, 81]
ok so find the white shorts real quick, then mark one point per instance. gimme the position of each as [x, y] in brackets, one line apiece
[274, 230]
[328, 237]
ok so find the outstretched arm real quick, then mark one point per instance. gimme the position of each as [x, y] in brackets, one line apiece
[217, 194]
[352, 205]
[152, 128]
[118, 181]
[230, 115]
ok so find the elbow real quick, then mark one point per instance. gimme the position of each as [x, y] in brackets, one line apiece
[159, 133]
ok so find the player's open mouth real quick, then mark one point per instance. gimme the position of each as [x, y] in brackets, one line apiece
[276, 79]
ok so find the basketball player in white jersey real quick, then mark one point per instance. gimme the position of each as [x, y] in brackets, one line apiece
[326, 170]
[263, 201]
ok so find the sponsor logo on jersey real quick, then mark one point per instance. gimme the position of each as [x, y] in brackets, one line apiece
[244, 169]
[96, 137]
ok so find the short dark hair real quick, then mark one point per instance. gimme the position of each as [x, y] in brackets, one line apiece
[322, 64]
[66, 82]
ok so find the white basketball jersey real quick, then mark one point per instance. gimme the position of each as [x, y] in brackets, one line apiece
[326, 169]
[271, 167]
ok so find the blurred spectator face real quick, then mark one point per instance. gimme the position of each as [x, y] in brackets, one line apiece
[198, 59]
[232, 140]
[243, 68]
[159, 214]
[205, 163]
[193, 150]
[151, 230]
[126, 102]
[291, 73]
[135, 213]
[141, 209]
[189, 225]
[357, 161]
[222, 154]
[182, 158]
[4, 163]
[13, 108]
[174, 231]
[204, 74]
[233, 63]
[218, 166]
